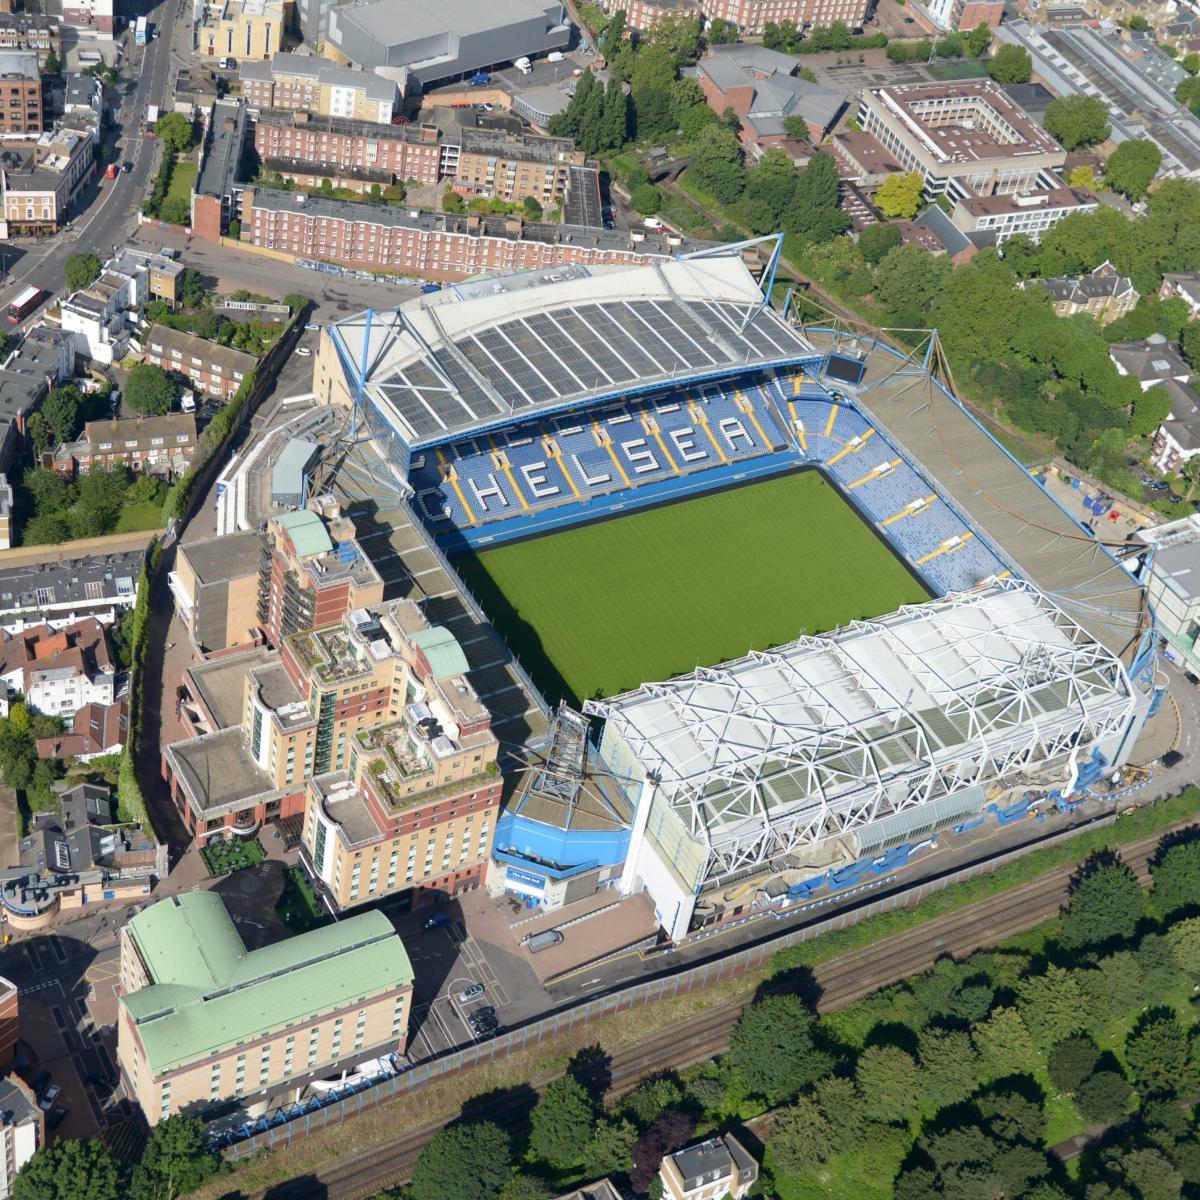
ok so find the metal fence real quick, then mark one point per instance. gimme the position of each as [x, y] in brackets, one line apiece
[686, 979]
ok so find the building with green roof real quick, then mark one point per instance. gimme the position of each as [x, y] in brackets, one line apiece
[204, 1020]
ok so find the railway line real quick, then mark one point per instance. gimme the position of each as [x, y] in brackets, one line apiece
[839, 982]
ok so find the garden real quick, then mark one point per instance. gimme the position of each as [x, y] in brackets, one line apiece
[223, 857]
[298, 907]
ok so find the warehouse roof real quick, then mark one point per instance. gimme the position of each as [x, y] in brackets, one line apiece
[208, 991]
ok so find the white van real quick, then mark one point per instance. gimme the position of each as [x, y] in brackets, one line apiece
[554, 56]
[187, 402]
[523, 65]
[653, 223]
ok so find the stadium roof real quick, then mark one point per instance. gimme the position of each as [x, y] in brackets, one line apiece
[829, 734]
[450, 363]
[208, 991]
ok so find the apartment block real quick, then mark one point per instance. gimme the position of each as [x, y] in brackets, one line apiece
[59, 671]
[511, 167]
[750, 16]
[6, 512]
[415, 809]
[307, 83]
[22, 1126]
[1104, 293]
[43, 177]
[162, 445]
[215, 585]
[28, 31]
[242, 29]
[20, 92]
[434, 245]
[212, 368]
[203, 1021]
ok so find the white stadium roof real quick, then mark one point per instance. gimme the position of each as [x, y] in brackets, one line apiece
[828, 735]
[473, 354]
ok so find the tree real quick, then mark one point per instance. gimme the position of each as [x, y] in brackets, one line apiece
[1105, 903]
[101, 497]
[463, 1160]
[1050, 1004]
[1004, 1045]
[813, 213]
[60, 410]
[949, 1065]
[978, 41]
[70, 1169]
[899, 196]
[721, 32]
[80, 270]
[149, 390]
[1071, 1061]
[609, 1151]
[800, 1138]
[717, 164]
[670, 1132]
[1188, 92]
[842, 1105]
[39, 435]
[678, 33]
[562, 1123]
[1083, 177]
[1011, 64]
[452, 202]
[651, 1098]
[1184, 938]
[176, 1160]
[796, 127]
[1103, 1096]
[192, 292]
[175, 211]
[45, 529]
[1175, 871]
[907, 282]
[1132, 166]
[1158, 1054]
[772, 1050]
[1077, 121]
[176, 131]
[646, 199]
[1150, 409]
[889, 1080]
[876, 240]
[51, 66]
[533, 208]
[1191, 63]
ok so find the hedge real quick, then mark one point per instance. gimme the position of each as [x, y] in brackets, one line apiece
[131, 804]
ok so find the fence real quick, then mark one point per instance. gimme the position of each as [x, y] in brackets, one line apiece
[664, 987]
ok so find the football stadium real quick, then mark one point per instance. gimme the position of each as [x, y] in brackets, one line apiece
[760, 607]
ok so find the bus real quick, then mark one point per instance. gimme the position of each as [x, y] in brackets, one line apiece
[24, 304]
[139, 32]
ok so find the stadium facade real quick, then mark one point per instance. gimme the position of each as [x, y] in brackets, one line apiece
[507, 407]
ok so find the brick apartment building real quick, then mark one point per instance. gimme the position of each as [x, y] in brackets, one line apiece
[203, 1021]
[43, 177]
[28, 31]
[162, 445]
[306, 83]
[215, 369]
[434, 245]
[20, 92]
[750, 16]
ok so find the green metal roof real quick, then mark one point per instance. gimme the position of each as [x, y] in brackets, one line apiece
[209, 993]
[307, 532]
[441, 648]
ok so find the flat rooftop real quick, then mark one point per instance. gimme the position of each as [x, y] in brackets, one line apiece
[971, 120]
[217, 772]
[346, 805]
[220, 682]
[229, 556]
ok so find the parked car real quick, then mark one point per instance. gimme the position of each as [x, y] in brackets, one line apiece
[1194, 680]
[228, 64]
[543, 941]
[304, 352]
[40, 1080]
[311, 327]
[437, 920]
[56, 1117]
[52, 1093]
[472, 993]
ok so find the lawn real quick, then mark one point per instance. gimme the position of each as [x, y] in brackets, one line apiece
[963, 69]
[594, 610]
[297, 906]
[183, 177]
[136, 517]
[221, 856]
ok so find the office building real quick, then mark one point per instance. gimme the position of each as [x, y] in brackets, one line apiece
[1030, 213]
[425, 42]
[216, 589]
[308, 84]
[242, 29]
[434, 245]
[203, 1021]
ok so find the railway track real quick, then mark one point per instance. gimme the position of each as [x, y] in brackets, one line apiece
[840, 982]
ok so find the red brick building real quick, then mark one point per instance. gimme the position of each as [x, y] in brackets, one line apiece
[162, 445]
[214, 369]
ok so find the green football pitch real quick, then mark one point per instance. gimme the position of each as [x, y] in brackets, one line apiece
[604, 607]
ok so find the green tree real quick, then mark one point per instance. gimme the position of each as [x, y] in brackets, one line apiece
[50, 492]
[978, 41]
[51, 66]
[1103, 1096]
[176, 132]
[1150, 410]
[70, 1169]
[562, 1123]
[526, 1187]
[1004, 1045]
[452, 202]
[889, 1081]
[677, 33]
[1083, 177]
[81, 269]
[175, 211]
[1071, 1061]
[772, 183]
[716, 164]
[899, 196]
[876, 240]
[1077, 121]
[772, 1049]
[1050, 1005]
[61, 412]
[842, 1104]
[907, 282]
[532, 207]
[1191, 63]
[609, 1151]
[696, 120]
[176, 1160]
[651, 1098]
[800, 1138]
[614, 116]
[45, 529]
[1175, 871]
[949, 1065]
[721, 32]
[149, 390]
[796, 128]
[813, 213]
[101, 497]
[463, 1160]
[781, 35]
[685, 94]
[192, 292]
[646, 199]
[1184, 939]
[1132, 166]
[1105, 904]
[1011, 64]
[1158, 1054]
[39, 435]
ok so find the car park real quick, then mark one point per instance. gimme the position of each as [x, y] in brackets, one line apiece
[472, 993]
[52, 1093]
